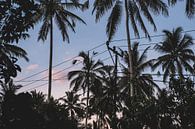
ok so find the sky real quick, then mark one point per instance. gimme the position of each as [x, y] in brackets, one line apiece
[86, 37]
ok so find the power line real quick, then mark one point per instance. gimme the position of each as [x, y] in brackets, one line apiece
[117, 40]
[46, 69]
[53, 79]
[56, 72]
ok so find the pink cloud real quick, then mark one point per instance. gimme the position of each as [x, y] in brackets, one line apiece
[59, 77]
[32, 67]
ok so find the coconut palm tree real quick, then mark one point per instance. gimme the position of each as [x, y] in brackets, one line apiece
[176, 53]
[72, 105]
[189, 9]
[135, 11]
[110, 102]
[50, 10]
[87, 77]
[142, 83]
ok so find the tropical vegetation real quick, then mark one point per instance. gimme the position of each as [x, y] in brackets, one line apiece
[122, 95]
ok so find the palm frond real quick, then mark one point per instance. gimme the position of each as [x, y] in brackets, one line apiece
[114, 20]
[44, 30]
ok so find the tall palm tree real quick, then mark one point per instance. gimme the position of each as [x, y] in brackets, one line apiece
[50, 10]
[142, 83]
[72, 105]
[135, 11]
[189, 9]
[176, 53]
[87, 77]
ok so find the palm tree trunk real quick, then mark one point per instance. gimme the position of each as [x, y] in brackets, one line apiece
[130, 66]
[87, 110]
[50, 59]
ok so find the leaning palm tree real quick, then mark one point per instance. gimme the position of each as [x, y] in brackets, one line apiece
[176, 53]
[141, 82]
[135, 11]
[50, 10]
[73, 105]
[87, 77]
[189, 9]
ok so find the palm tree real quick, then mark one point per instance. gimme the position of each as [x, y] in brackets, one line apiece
[176, 53]
[189, 9]
[50, 10]
[72, 105]
[134, 11]
[141, 82]
[9, 55]
[110, 102]
[87, 77]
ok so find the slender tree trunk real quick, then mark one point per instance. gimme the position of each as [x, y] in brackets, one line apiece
[87, 109]
[50, 59]
[130, 66]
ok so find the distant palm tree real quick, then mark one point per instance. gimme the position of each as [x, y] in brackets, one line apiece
[135, 11]
[55, 9]
[142, 83]
[110, 102]
[73, 105]
[87, 77]
[189, 9]
[9, 55]
[176, 53]
[38, 98]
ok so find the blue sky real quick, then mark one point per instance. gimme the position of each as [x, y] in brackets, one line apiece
[85, 38]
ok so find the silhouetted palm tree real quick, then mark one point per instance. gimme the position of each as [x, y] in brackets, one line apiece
[110, 102]
[50, 10]
[189, 9]
[38, 99]
[176, 53]
[135, 11]
[143, 84]
[87, 76]
[73, 105]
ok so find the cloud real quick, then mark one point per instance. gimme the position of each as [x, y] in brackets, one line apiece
[59, 77]
[32, 67]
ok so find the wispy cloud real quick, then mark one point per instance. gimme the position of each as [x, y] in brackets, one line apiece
[32, 67]
[59, 77]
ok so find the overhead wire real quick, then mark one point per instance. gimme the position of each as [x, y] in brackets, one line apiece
[117, 40]
[33, 81]
[61, 78]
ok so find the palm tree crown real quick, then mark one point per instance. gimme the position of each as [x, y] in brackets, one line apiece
[141, 82]
[72, 105]
[177, 53]
[136, 10]
[49, 9]
[88, 74]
